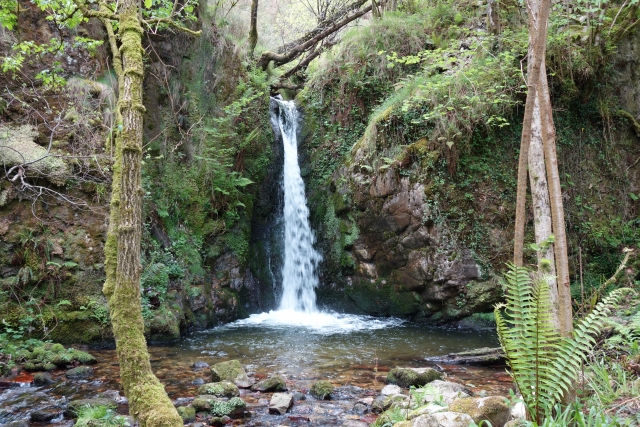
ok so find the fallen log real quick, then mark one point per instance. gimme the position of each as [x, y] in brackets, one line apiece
[480, 356]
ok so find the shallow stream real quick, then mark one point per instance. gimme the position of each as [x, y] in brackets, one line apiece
[353, 352]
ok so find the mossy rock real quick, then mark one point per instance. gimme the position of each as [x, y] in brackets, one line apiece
[218, 406]
[321, 389]
[187, 413]
[79, 373]
[42, 378]
[230, 371]
[219, 389]
[275, 383]
[494, 409]
[407, 377]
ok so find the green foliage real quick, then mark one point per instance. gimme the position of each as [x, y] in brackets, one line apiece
[99, 416]
[8, 14]
[544, 365]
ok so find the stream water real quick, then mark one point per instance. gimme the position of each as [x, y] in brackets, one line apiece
[297, 342]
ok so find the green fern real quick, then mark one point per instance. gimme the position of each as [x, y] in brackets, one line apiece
[544, 365]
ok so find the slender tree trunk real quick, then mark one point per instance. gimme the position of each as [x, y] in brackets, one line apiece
[565, 311]
[148, 401]
[540, 199]
[493, 17]
[253, 30]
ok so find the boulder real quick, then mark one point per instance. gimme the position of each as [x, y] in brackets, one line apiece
[444, 392]
[275, 383]
[280, 403]
[19, 423]
[80, 373]
[407, 377]
[321, 389]
[494, 409]
[219, 406]
[425, 420]
[187, 413]
[453, 419]
[230, 371]
[219, 389]
[45, 415]
[199, 364]
[390, 389]
[42, 378]
[354, 423]
[430, 408]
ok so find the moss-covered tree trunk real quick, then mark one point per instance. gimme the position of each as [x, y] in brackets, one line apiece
[148, 401]
[253, 30]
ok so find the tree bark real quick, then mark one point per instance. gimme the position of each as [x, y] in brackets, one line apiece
[253, 30]
[148, 401]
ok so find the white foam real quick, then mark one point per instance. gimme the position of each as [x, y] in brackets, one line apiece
[319, 322]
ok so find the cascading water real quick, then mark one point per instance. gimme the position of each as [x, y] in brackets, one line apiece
[299, 277]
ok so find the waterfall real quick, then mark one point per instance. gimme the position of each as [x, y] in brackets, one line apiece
[299, 277]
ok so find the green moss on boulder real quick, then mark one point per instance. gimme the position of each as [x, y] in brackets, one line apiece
[219, 389]
[187, 413]
[321, 389]
[275, 383]
[218, 406]
[230, 371]
[494, 409]
[407, 377]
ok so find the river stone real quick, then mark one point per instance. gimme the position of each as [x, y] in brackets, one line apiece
[494, 409]
[219, 406]
[219, 421]
[187, 413]
[430, 408]
[230, 371]
[220, 389]
[79, 373]
[425, 420]
[280, 403]
[44, 415]
[198, 381]
[519, 411]
[42, 378]
[19, 423]
[75, 405]
[390, 389]
[453, 419]
[321, 389]
[199, 364]
[407, 377]
[354, 423]
[275, 383]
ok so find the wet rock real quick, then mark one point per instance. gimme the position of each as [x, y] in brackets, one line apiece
[354, 423]
[198, 381]
[494, 409]
[75, 405]
[42, 378]
[199, 364]
[187, 413]
[45, 415]
[275, 383]
[219, 406]
[230, 371]
[321, 389]
[280, 403]
[390, 389]
[219, 421]
[183, 401]
[80, 373]
[220, 389]
[115, 395]
[453, 419]
[360, 408]
[378, 404]
[299, 396]
[407, 377]
[19, 423]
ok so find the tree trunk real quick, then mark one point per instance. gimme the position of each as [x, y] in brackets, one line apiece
[541, 206]
[148, 401]
[253, 31]
[493, 17]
